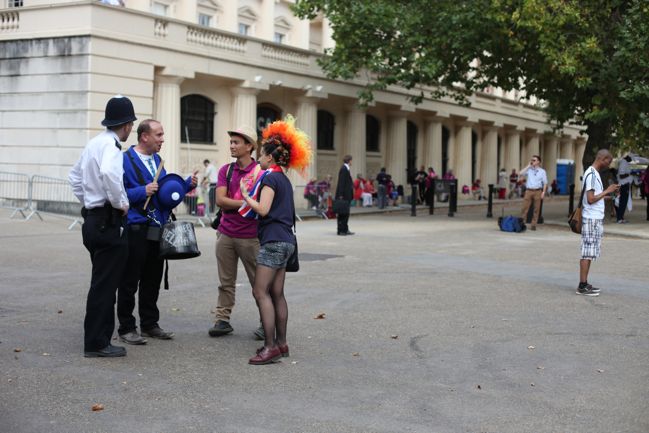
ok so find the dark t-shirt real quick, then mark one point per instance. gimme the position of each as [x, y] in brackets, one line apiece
[277, 225]
[381, 178]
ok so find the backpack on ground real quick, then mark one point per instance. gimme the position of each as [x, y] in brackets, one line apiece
[511, 224]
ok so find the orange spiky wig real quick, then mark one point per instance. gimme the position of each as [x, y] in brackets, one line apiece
[296, 146]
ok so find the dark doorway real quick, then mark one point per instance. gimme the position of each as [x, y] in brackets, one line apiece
[445, 137]
[474, 155]
[411, 143]
[266, 113]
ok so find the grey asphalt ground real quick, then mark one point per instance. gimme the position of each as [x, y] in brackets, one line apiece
[432, 324]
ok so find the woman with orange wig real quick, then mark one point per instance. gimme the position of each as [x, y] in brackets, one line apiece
[283, 147]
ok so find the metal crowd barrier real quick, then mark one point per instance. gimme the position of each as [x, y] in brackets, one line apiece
[15, 191]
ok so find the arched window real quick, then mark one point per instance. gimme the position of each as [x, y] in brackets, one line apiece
[326, 126]
[196, 119]
[372, 133]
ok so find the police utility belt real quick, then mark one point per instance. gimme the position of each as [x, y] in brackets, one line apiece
[109, 215]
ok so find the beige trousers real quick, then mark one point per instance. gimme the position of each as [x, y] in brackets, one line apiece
[532, 196]
[228, 252]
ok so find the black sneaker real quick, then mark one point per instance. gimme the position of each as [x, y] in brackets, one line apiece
[594, 289]
[587, 291]
[259, 333]
[221, 327]
[109, 351]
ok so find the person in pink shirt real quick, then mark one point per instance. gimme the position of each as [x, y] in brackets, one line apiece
[236, 237]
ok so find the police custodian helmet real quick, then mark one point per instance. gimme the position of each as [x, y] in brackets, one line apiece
[119, 110]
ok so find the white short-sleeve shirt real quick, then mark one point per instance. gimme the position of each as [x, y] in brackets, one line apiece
[592, 181]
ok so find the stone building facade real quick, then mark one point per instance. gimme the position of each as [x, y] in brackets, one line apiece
[202, 67]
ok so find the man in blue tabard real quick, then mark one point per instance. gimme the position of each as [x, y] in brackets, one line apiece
[144, 267]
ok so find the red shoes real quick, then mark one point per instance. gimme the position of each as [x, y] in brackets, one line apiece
[266, 356]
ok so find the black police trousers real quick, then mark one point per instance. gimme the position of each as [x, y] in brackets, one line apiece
[106, 240]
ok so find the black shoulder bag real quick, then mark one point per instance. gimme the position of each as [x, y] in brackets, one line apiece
[217, 219]
[293, 263]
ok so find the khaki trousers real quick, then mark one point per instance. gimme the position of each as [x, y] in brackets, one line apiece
[228, 252]
[532, 196]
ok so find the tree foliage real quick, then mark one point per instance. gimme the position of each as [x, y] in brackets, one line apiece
[587, 59]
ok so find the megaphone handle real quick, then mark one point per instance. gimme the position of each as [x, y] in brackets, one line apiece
[155, 179]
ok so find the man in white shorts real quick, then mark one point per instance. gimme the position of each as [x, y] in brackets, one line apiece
[592, 214]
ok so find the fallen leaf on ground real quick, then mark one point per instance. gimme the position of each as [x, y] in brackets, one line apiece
[320, 316]
[540, 367]
[479, 387]
[294, 362]
[356, 354]
[18, 349]
[600, 371]
[46, 354]
[60, 311]
[394, 337]
[531, 347]
[97, 407]
[175, 309]
[532, 384]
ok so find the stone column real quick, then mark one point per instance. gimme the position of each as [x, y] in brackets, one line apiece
[513, 151]
[463, 155]
[167, 112]
[244, 110]
[327, 35]
[580, 148]
[355, 137]
[489, 172]
[566, 150]
[550, 159]
[230, 16]
[531, 147]
[433, 145]
[300, 36]
[306, 118]
[266, 22]
[396, 148]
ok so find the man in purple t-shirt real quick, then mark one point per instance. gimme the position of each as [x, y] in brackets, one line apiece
[236, 238]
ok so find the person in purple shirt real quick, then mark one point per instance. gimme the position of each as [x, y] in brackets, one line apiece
[236, 237]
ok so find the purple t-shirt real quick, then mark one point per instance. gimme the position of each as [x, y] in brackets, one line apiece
[233, 224]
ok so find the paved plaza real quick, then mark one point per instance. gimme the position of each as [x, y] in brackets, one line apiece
[431, 324]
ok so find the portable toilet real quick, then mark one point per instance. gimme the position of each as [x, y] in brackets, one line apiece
[565, 175]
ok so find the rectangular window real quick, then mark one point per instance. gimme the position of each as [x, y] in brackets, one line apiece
[159, 9]
[244, 29]
[204, 20]
[14, 3]
[279, 38]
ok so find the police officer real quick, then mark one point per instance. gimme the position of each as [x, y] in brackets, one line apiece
[97, 181]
